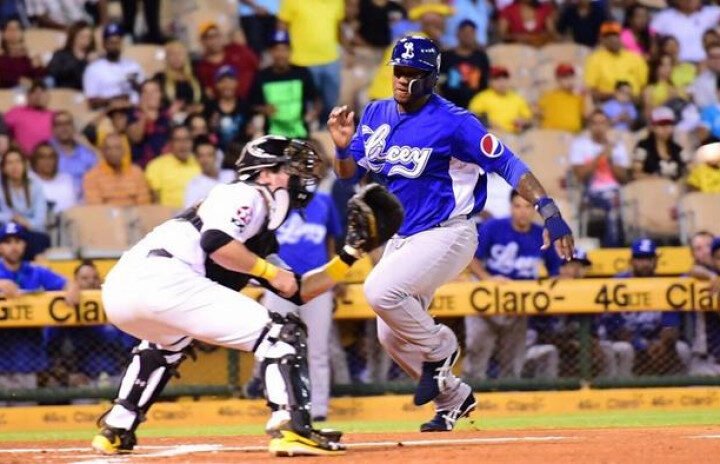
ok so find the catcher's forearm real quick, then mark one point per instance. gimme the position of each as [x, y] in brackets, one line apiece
[319, 280]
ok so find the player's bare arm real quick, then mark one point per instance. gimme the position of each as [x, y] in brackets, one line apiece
[556, 230]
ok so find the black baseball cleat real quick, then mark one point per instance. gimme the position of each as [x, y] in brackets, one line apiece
[434, 377]
[444, 420]
[110, 440]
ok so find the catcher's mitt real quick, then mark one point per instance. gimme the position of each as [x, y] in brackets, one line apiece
[374, 215]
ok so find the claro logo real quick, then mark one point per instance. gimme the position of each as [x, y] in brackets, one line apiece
[501, 300]
[690, 296]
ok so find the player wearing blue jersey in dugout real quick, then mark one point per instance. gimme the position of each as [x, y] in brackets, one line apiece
[434, 156]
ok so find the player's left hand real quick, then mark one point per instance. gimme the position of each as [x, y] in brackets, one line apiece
[564, 246]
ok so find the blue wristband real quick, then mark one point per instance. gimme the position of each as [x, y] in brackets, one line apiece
[342, 154]
[554, 223]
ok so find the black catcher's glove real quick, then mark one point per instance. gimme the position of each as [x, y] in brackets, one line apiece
[374, 215]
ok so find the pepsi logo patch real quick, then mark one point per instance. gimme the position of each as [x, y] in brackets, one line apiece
[491, 146]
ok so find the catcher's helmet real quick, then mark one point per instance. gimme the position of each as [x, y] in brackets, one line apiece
[415, 51]
[297, 157]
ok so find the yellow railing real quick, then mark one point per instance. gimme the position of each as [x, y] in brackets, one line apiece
[546, 296]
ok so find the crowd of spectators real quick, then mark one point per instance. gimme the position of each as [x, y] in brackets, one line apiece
[638, 71]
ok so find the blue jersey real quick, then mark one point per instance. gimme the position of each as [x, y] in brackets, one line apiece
[25, 350]
[515, 255]
[434, 159]
[642, 327]
[303, 240]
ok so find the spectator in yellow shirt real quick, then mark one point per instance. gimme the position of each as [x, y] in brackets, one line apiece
[562, 108]
[705, 175]
[169, 174]
[314, 28]
[500, 106]
[611, 63]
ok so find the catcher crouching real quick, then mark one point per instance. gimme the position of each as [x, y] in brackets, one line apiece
[181, 283]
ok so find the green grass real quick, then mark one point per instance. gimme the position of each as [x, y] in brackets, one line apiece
[585, 420]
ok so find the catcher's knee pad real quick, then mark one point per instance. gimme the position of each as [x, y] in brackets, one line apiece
[150, 369]
[282, 352]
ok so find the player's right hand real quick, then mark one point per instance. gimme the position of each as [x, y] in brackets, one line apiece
[9, 289]
[341, 125]
[284, 282]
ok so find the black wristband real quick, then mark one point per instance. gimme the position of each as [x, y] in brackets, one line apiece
[346, 257]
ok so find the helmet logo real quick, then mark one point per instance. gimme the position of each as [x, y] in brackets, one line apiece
[409, 51]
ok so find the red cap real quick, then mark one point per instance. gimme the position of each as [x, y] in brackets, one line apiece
[564, 70]
[499, 71]
[610, 27]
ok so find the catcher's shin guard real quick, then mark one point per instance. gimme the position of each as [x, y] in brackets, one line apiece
[282, 350]
[150, 369]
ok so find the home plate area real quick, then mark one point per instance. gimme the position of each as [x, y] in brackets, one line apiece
[558, 446]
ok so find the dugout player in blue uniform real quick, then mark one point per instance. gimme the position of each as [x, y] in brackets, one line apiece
[434, 156]
[510, 249]
[24, 351]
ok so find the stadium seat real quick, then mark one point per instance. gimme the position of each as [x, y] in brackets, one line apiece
[96, 231]
[565, 52]
[145, 218]
[513, 56]
[520, 60]
[10, 98]
[196, 18]
[44, 42]
[699, 211]
[226, 7]
[150, 57]
[69, 100]
[545, 152]
[649, 208]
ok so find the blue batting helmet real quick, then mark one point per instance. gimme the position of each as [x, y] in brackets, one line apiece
[418, 52]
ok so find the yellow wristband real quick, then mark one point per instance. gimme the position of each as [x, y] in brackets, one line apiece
[336, 269]
[263, 269]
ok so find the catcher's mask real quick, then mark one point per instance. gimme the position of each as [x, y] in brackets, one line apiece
[296, 157]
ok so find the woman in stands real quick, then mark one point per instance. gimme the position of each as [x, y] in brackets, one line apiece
[661, 89]
[57, 186]
[149, 129]
[635, 36]
[22, 201]
[16, 66]
[658, 154]
[68, 64]
[181, 89]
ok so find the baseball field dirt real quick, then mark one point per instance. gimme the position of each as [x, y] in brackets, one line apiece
[657, 445]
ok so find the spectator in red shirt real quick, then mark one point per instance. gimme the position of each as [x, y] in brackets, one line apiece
[216, 55]
[32, 123]
[527, 22]
[15, 64]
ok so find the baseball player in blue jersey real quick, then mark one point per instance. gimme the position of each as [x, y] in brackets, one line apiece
[434, 157]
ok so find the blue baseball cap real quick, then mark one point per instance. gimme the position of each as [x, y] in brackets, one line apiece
[280, 38]
[715, 246]
[12, 229]
[225, 71]
[467, 23]
[113, 30]
[644, 248]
